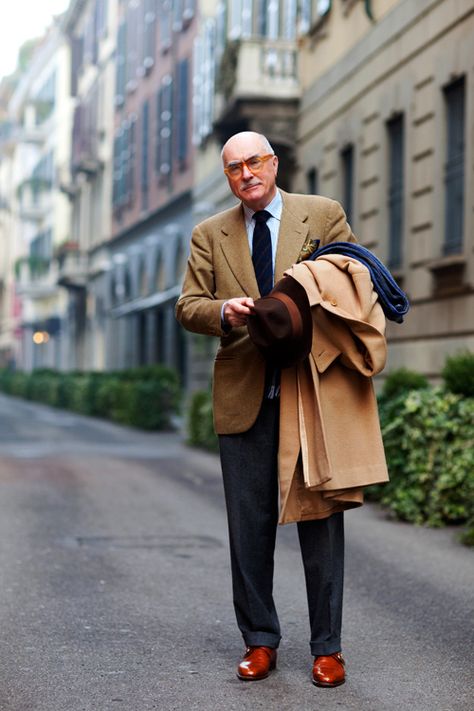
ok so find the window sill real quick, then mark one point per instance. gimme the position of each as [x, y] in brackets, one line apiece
[448, 274]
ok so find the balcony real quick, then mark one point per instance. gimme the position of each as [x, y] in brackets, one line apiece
[72, 267]
[35, 277]
[256, 72]
[34, 210]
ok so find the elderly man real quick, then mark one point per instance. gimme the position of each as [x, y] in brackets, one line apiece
[236, 257]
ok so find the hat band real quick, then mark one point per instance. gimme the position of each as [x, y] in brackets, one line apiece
[295, 316]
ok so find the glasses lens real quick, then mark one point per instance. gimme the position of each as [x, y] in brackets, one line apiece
[234, 170]
[255, 164]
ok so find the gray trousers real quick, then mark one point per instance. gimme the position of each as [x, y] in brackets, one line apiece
[249, 467]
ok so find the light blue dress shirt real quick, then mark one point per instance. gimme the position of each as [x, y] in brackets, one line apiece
[274, 208]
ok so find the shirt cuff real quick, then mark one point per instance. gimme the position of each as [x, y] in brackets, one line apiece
[226, 327]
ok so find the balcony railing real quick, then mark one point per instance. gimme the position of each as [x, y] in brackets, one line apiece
[32, 210]
[35, 277]
[259, 68]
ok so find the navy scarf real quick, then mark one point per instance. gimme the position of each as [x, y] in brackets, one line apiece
[392, 299]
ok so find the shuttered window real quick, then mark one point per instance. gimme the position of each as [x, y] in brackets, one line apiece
[133, 44]
[182, 111]
[164, 124]
[145, 131]
[395, 131]
[121, 65]
[149, 39]
[165, 25]
[454, 170]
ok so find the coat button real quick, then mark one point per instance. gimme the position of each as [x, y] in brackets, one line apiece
[333, 302]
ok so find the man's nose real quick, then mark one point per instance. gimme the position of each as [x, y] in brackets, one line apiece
[246, 173]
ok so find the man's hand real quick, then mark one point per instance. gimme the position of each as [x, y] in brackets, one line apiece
[237, 310]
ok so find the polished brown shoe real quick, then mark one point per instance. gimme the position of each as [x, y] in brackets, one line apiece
[257, 663]
[329, 671]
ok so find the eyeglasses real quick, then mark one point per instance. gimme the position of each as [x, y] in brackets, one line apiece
[254, 164]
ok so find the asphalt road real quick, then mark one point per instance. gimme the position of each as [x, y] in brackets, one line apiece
[115, 586]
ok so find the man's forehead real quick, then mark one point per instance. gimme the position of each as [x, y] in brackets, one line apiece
[243, 148]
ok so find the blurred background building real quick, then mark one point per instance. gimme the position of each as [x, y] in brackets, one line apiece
[110, 143]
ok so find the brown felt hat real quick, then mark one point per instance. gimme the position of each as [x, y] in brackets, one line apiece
[281, 325]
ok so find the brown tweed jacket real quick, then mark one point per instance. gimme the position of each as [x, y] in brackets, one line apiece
[219, 268]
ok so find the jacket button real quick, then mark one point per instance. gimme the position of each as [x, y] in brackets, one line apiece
[333, 302]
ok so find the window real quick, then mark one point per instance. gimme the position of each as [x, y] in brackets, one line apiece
[204, 81]
[101, 17]
[395, 132]
[347, 161]
[454, 96]
[124, 163]
[133, 44]
[312, 181]
[121, 65]
[165, 25]
[144, 156]
[149, 21]
[164, 123]
[182, 110]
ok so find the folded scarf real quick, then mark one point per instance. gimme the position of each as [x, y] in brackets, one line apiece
[393, 300]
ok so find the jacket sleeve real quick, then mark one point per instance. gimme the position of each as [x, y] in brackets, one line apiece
[197, 309]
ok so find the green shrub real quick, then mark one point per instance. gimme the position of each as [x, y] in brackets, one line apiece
[429, 444]
[401, 380]
[146, 404]
[143, 397]
[458, 374]
[200, 424]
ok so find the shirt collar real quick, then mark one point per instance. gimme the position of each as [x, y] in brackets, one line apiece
[274, 208]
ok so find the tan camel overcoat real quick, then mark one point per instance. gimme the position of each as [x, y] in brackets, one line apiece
[220, 268]
[330, 441]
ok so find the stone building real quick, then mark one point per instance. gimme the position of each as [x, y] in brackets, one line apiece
[152, 185]
[386, 125]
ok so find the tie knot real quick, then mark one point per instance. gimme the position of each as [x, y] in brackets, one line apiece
[261, 216]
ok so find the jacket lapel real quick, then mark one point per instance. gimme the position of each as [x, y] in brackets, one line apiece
[234, 244]
[292, 235]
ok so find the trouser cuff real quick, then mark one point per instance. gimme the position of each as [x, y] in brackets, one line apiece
[262, 639]
[319, 649]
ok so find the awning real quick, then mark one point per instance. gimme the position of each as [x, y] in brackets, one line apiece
[146, 302]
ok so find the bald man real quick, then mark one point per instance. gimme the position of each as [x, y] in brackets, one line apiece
[236, 257]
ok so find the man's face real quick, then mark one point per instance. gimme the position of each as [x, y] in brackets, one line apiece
[256, 190]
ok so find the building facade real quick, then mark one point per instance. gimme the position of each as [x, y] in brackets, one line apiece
[386, 125]
[36, 215]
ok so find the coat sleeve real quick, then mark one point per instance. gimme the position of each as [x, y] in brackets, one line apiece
[197, 308]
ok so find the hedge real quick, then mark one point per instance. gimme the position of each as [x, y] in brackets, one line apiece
[429, 444]
[145, 397]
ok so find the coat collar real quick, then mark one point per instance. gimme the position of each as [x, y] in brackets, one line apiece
[234, 243]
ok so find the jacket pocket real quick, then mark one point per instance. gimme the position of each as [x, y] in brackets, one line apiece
[325, 357]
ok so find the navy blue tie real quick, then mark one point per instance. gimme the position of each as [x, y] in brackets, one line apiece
[262, 252]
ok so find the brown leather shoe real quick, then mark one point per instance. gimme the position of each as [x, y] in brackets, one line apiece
[257, 663]
[329, 671]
